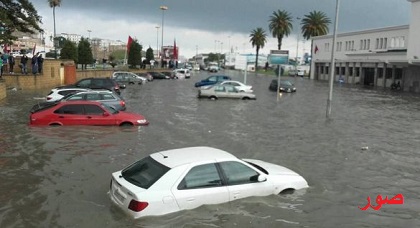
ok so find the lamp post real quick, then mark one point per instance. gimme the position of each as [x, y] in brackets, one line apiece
[196, 53]
[297, 48]
[163, 8]
[89, 31]
[157, 40]
[332, 66]
[230, 49]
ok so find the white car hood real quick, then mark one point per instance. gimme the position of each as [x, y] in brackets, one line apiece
[271, 168]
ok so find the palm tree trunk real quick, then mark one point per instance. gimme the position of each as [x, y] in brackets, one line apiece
[256, 59]
[55, 47]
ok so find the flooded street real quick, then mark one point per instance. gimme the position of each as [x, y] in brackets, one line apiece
[59, 176]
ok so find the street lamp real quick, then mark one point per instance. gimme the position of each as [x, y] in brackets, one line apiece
[157, 40]
[297, 48]
[89, 31]
[332, 66]
[230, 49]
[163, 8]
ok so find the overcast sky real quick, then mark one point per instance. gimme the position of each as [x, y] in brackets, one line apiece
[197, 24]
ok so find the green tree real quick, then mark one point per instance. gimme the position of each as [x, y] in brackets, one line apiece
[53, 4]
[85, 52]
[258, 38]
[149, 54]
[17, 16]
[315, 24]
[134, 54]
[280, 25]
[69, 51]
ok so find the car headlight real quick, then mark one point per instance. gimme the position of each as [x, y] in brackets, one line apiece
[282, 88]
[141, 121]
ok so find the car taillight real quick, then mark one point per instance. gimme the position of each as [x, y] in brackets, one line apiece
[122, 103]
[137, 206]
[49, 98]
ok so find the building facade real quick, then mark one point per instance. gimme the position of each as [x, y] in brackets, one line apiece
[376, 57]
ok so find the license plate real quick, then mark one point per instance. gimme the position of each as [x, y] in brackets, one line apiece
[118, 195]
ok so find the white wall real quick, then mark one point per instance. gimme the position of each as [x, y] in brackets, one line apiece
[414, 34]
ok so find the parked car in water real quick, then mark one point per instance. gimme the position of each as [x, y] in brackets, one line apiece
[285, 86]
[167, 73]
[145, 75]
[181, 73]
[58, 93]
[224, 91]
[182, 179]
[212, 80]
[297, 72]
[241, 87]
[97, 83]
[84, 113]
[158, 75]
[106, 97]
[122, 77]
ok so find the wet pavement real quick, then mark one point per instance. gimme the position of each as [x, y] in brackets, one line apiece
[59, 177]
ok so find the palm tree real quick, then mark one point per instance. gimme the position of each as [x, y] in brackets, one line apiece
[53, 4]
[280, 25]
[315, 24]
[258, 40]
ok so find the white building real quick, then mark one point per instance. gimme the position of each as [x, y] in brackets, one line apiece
[376, 57]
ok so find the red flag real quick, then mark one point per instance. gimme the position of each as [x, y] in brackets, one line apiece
[175, 51]
[130, 40]
[316, 49]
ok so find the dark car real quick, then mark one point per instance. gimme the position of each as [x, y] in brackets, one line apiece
[285, 86]
[212, 80]
[97, 83]
[167, 73]
[158, 75]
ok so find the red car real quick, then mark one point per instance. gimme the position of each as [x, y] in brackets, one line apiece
[84, 113]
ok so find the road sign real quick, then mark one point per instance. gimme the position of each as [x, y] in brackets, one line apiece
[277, 57]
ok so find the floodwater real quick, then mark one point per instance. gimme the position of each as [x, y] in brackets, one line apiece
[59, 177]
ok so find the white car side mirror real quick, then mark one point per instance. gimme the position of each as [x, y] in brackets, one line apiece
[262, 178]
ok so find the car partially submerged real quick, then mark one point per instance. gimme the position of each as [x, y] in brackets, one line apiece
[83, 112]
[182, 179]
[285, 86]
[224, 91]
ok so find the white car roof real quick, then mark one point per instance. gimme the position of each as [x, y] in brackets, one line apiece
[177, 157]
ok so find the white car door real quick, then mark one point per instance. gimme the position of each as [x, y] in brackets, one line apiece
[201, 185]
[243, 182]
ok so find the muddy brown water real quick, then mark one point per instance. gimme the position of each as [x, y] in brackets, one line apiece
[59, 176]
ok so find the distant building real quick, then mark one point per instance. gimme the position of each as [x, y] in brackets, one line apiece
[375, 57]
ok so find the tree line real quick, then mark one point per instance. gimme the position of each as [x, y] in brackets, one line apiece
[281, 25]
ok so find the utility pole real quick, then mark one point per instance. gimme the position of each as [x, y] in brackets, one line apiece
[332, 66]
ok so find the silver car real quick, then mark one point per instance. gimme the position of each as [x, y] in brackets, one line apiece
[107, 97]
[224, 91]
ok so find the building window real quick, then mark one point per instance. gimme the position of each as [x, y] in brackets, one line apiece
[351, 71]
[384, 46]
[352, 45]
[357, 71]
[368, 44]
[388, 73]
[377, 43]
[381, 41]
[380, 72]
[361, 45]
[326, 70]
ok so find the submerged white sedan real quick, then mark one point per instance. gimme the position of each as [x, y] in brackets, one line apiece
[186, 178]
